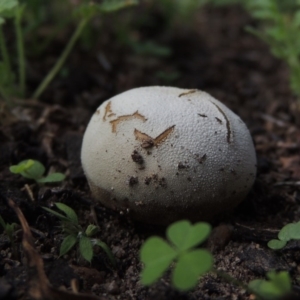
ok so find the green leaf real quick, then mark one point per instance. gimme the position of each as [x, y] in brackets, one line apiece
[189, 267]
[264, 289]
[278, 34]
[91, 9]
[34, 171]
[264, 14]
[7, 9]
[2, 223]
[289, 232]
[71, 214]
[86, 248]
[278, 286]
[22, 166]
[91, 230]
[157, 255]
[55, 213]
[185, 236]
[296, 19]
[67, 244]
[10, 228]
[53, 177]
[107, 251]
[7, 5]
[282, 280]
[276, 244]
[108, 6]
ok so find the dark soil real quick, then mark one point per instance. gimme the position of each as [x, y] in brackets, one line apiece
[217, 55]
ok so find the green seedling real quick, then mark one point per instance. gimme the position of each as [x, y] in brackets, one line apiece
[158, 254]
[9, 229]
[26, 19]
[288, 232]
[75, 234]
[33, 169]
[278, 285]
[85, 12]
[11, 9]
[278, 26]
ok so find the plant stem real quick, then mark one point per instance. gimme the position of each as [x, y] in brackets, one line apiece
[4, 51]
[20, 47]
[59, 63]
[7, 65]
[4, 96]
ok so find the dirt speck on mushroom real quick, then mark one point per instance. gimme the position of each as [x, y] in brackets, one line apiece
[132, 180]
[136, 157]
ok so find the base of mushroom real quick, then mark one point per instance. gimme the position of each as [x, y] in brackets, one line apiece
[162, 215]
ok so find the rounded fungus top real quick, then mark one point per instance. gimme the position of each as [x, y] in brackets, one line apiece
[164, 154]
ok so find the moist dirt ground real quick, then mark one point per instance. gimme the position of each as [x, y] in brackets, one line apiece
[215, 54]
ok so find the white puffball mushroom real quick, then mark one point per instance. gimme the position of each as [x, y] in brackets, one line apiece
[164, 154]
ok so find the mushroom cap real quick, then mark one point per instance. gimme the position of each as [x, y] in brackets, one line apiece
[164, 154]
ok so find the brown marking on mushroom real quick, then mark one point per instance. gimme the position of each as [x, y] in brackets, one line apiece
[201, 159]
[108, 111]
[135, 115]
[163, 136]
[187, 93]
[202, 115]
[97, 112]
[132, 180]
[232, 171]
[229, 133]
[155, 177]
[181, 165]
[136, 157]
[219, 120]
[147, 180]
[162, 182]
[148, 141]
[147, 144]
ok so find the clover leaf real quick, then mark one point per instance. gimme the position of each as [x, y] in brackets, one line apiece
[288, 232]
[185, 236]
[158, 254]
[190, 267]
[278, 285]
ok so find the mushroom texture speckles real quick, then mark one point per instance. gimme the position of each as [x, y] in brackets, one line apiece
[163, 154]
